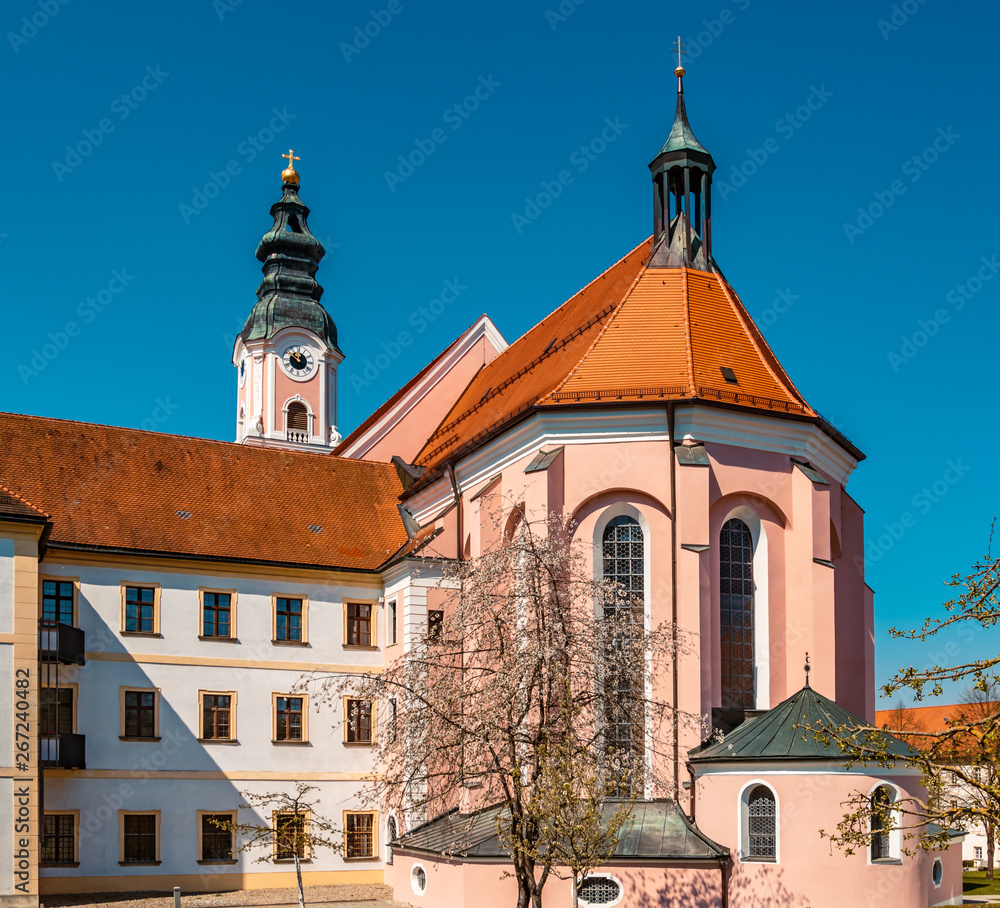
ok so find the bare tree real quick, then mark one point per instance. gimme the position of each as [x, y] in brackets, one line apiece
[960, 757]
[295, 828]
[540, 692]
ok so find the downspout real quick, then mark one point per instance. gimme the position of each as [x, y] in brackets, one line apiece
[673, 597]
[458, 506]
[691, 812]
[723, 864]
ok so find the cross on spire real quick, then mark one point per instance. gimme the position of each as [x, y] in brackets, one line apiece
[679, 72]
[291, 157]
[807, 668]
[289, 174]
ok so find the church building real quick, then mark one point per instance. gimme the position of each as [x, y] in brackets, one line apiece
[159, 600]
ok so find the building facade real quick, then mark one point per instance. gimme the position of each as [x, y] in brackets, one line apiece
[161, 597]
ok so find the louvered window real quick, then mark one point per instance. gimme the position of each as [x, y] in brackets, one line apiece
[762, 824]
[736, 615]
[297, 422]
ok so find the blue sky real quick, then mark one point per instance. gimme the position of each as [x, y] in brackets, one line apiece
[142, 147]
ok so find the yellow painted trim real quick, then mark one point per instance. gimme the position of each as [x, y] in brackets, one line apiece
[156, 608]
[375, 838]
[121, 829]
[232, 715]
[205, 882]
[165, 659]
[7, 638]
[305, 717]
[304, 629]
[76, 594]
[232, 610]
[199, 774]
[232, 570]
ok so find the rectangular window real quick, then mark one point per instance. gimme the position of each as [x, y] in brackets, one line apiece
[140, 714]
[216, 840]
[140, 610]
[288, 719]
[435, 624]
[139, 838]
[359, 835]
[288, 619]
[358, 716]
[57, 601]
[215, 614]
[291, 841]
[56, 711]
[390, 721]
[392, 632]
[978, 851]
[58, 838]
[216, 717]
[359, 624]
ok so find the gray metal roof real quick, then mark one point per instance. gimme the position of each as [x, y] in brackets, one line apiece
[783, 733]
[660, 829]
[681, 137]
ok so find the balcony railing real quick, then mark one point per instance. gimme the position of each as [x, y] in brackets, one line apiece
[58, 642]
[65, 751]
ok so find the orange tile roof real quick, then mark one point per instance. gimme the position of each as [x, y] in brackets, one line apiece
[109, 488]
[934, 720]
[633, 334]
[12, 505]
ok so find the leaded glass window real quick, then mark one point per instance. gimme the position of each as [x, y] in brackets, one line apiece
[881, 803]
[736, 615]
[623, 552]
[762, 824]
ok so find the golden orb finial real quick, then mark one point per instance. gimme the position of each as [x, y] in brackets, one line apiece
[289, 174]
[679, 72]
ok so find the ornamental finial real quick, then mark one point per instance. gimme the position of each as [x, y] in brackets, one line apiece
[679, 72]
[289, 174]
[807, 668]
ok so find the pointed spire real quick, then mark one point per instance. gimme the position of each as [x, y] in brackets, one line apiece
[682, 178]
[289, 293]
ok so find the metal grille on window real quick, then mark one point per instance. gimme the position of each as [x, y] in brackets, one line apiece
[736, 615]
[360, 835]
[216, 840]
[57, 839]
[140, 838]
[623, 560]
[881, 802]
[598, 890]
[762, 824]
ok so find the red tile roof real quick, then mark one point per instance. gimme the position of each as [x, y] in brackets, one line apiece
[110, 488]
[633, 334]
[12, 505]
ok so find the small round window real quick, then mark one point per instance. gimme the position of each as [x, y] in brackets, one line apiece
[418, 878]
[599, 890]
[937, 872]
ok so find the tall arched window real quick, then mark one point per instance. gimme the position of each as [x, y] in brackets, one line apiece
[297, 422]
[881, 807]
[760, 825]
[623, 558]
[736, 615]
[624, 561]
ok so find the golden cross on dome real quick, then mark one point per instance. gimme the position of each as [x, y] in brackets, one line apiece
[291, 157]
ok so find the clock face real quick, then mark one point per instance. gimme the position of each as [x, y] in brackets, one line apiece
[299, 361]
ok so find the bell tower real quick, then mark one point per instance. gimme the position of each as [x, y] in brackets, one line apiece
[682, 194]
[287, 354]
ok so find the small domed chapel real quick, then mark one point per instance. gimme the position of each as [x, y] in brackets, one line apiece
[159, 602]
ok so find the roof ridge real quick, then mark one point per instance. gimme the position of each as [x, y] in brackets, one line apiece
[764, 351]
[25, 501]
[688, 339]
[604, 328]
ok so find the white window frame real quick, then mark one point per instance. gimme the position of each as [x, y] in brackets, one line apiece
[743, 823]
[605, 876]
[895, 834]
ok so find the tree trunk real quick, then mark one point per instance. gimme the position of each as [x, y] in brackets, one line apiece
[298, 878]
[990, 845]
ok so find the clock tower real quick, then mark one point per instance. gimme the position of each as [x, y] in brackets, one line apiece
[286, 356]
